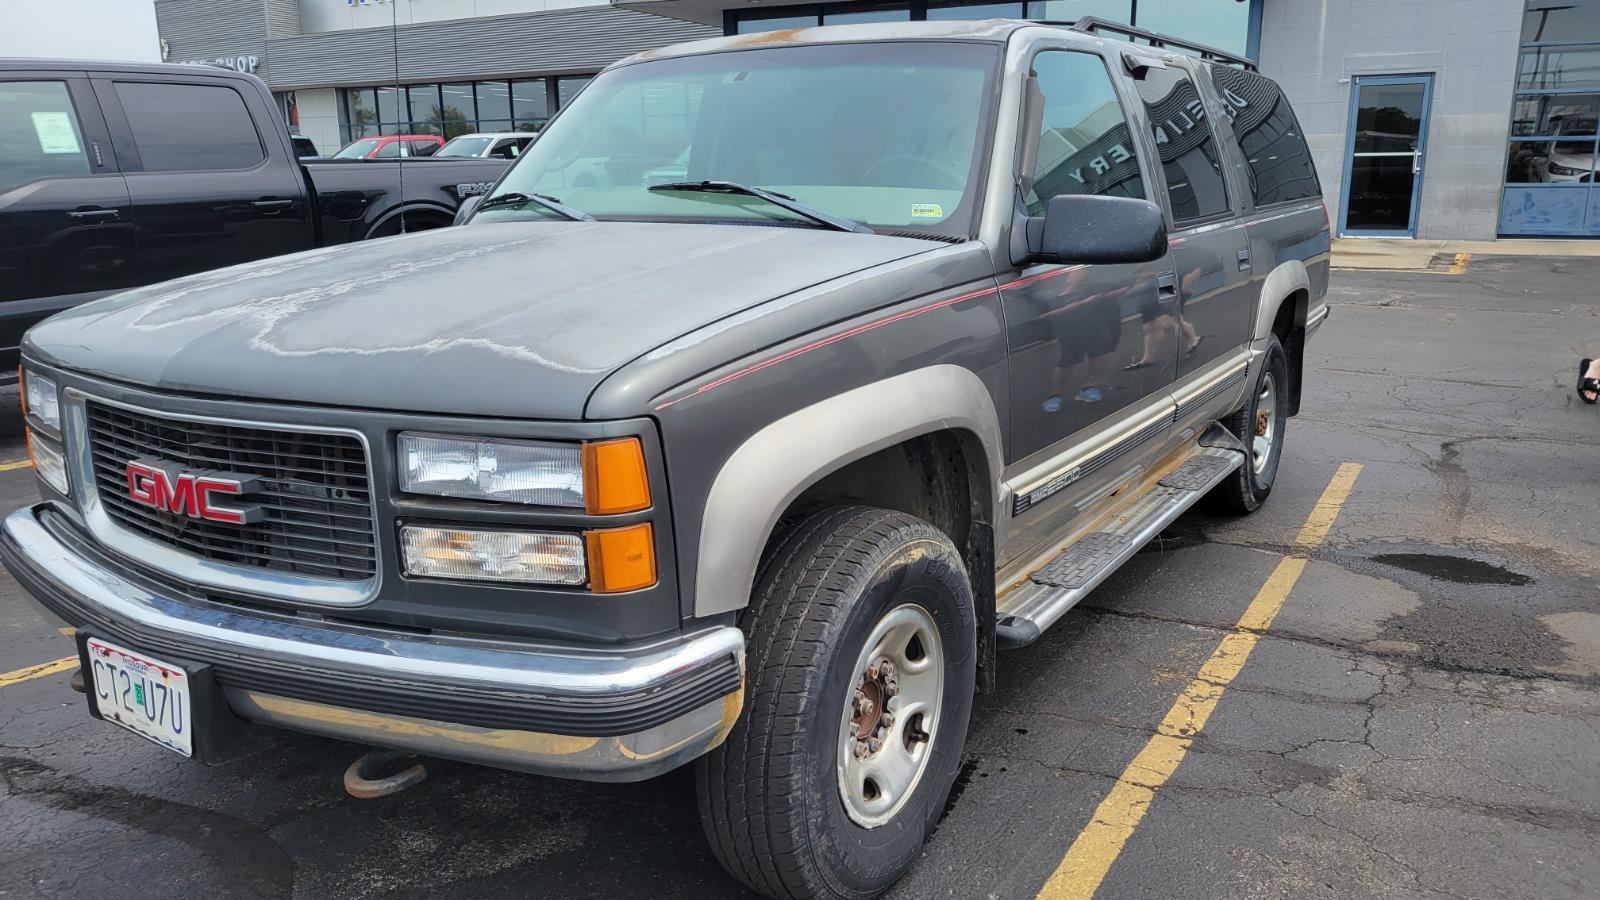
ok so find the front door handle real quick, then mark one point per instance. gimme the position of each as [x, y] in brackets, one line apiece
[94, 214]
[1167, 287]
[272, 205]
[1244, 260]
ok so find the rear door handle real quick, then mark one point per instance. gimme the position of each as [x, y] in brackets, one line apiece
[271, 205]
[1244, 260]
[94, 215]
[1167, 287]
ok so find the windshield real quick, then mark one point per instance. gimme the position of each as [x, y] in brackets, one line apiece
[357, 149]
[464, 146]
[886, 134]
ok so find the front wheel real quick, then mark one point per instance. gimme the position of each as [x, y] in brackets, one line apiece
[862, 659]
[1260, 424]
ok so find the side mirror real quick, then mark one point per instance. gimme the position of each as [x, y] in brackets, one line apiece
[1089, 228]
[464, 211]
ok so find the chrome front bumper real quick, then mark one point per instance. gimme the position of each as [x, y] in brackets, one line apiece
[601, 714]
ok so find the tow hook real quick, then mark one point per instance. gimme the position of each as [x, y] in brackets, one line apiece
[364, 782]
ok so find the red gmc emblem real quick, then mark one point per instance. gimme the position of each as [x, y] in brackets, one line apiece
[165, 486]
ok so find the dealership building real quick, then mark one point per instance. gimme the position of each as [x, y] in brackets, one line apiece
[1438, 119]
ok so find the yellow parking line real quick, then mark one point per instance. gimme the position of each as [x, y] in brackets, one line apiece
[39, 671]
[1090, 857]
[1461, 263]
[14, 464]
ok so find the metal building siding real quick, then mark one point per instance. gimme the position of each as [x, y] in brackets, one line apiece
[282, 17]
[572, 40]
[204, 30]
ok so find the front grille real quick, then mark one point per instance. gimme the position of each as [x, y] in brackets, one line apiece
[314, 491]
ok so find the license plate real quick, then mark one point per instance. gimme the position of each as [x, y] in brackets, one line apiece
[142, 694]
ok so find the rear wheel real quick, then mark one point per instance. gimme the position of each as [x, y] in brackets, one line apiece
[861, 666]
[1260, 424]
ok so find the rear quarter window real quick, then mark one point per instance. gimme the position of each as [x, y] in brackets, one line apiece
[1278, 162]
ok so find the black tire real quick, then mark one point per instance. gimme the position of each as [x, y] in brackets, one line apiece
[1249, 486]
[769, 796]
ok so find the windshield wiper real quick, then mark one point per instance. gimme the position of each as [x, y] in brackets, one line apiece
[516, 197]
[838, 223]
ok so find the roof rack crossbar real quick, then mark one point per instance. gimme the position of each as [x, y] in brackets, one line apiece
[1095, 25]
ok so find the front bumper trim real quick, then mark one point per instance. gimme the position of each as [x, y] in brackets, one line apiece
[601, 714]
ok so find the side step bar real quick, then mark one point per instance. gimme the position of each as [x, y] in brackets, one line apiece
[1025, 611]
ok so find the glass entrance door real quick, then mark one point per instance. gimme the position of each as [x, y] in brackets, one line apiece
[1388, 142]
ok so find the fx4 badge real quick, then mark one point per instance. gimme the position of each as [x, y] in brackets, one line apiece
[165, 486]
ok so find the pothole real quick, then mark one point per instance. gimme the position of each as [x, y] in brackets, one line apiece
[1455, 569]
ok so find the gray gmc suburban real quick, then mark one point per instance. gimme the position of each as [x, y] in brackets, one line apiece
[786, 378]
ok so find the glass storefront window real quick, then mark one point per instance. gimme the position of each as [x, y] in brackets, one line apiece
[425, 115]
[1550, 68]
[887, 12]
[976, 11]
[530, 104]
[1224, 24]
[1561, 20]
[388, 105]
[361, 113]
[1537, 114]
[1551, 157]
[1073, 10]
[755, 24]
[567, 88]
[494, 100]
[457, 115]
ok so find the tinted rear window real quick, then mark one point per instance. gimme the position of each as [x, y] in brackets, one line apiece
[190, 127]
[1188, 150]
[1279, 162]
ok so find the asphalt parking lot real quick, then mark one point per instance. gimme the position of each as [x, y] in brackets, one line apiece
[1421, 718]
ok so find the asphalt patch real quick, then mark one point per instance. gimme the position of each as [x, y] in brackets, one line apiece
[1457, 569]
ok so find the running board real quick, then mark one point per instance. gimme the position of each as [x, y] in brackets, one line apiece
[1025, 611]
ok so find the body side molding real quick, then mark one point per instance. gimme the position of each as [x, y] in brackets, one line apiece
[776, 464]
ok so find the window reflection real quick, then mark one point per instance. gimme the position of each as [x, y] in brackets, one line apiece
[1084, 143]
[1545, 114]
[1277, 158]
[1567, 20]
[1184, 140]
[1547, 68]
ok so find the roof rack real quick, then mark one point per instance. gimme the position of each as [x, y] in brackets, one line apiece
[1096, 25]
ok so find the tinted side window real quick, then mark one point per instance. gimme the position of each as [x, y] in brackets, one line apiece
[1279, 162]
[1189, 152]
[190, 127]
[39, 133]
[387, 151]
[423, 148]
[1084, 143]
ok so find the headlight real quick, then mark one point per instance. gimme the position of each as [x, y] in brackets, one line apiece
[41, 400]
[600, 477]
[477, 555]
[48, 462]
[510, 471]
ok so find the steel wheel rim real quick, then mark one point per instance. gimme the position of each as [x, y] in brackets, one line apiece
[1266, 424]
[880, 770]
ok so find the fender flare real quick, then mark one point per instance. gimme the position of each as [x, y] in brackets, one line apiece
[389, 215]
[1290, 276]
[778, 463]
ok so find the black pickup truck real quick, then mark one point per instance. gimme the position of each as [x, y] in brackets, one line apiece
[116, 175]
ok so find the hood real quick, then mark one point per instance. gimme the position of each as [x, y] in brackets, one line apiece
[517, 319]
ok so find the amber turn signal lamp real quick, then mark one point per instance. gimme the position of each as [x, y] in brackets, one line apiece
[613, 477]
[621, 559]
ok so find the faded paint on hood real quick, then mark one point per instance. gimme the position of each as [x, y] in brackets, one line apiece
[516, 319]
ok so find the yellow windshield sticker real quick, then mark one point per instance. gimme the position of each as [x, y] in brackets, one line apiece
[927, 211]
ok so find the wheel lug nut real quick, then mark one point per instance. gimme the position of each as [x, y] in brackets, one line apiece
[886, 720]
[888, 669]
[874, 744]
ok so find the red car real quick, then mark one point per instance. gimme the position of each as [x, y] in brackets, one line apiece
[390, 146]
